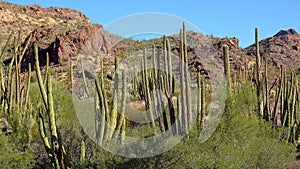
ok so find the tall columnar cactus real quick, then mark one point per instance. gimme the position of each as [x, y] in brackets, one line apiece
[3, 89]
[187, 78]
[170, 69]
[102, 113]
[99, 114]
[266, 94]
[55, 150]
[182, 87]
[293, 110]
[156, 85]
[71, 74]
[10, 84]
[202, 103]
[39, 77]
[149, 104]
[283, 88]
[82, 153]
[199, 101]
[257, 80]
[166, 69]
[227, 68]
[27, 88]
[169, 82]
[162, 108]
[122, 121]
[179, 116]
[114, 106]
[86, 89]
[104, 101]
[274, 112]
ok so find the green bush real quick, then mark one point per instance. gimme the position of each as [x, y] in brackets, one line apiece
[11, 156]
[241, 140]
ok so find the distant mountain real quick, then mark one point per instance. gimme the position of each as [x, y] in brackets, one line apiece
[65, 33]
[281, 49]
[62, 32]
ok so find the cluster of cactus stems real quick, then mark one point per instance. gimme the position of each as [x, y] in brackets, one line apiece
[15, 87]
[284, 109]
[53, 145]
[105, 115]
[151, 84]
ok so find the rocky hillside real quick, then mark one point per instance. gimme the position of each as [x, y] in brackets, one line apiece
[66, 33]
[281, 49]
[61, 32]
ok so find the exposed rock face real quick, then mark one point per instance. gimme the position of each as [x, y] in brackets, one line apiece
[67, 46]
[237, 54]
[64, 33]
[12, 17]
[291, 32]
[60, 32]
[281, 49]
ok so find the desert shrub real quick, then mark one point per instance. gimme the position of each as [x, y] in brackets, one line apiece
[241, 140]
[12, 156]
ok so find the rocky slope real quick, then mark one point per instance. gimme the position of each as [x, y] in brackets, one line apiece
[66, 33]
[281, 49]
[61, 32]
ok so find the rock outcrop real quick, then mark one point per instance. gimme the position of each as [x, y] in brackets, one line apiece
[281, 49]
[68, 45]
[62, 33]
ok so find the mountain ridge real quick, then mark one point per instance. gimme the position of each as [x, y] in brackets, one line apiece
[65, 33]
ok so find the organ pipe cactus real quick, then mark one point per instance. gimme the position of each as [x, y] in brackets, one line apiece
[121, 122]
[86, 89]
[258, 69]
[187, 78]
[182, 86]
[82, 153]
[149, 104]
[227, 68]
[199, 94]
[55, 150]
[114, 106]
[266, 94]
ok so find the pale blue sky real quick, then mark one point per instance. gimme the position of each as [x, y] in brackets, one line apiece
[232, 18]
